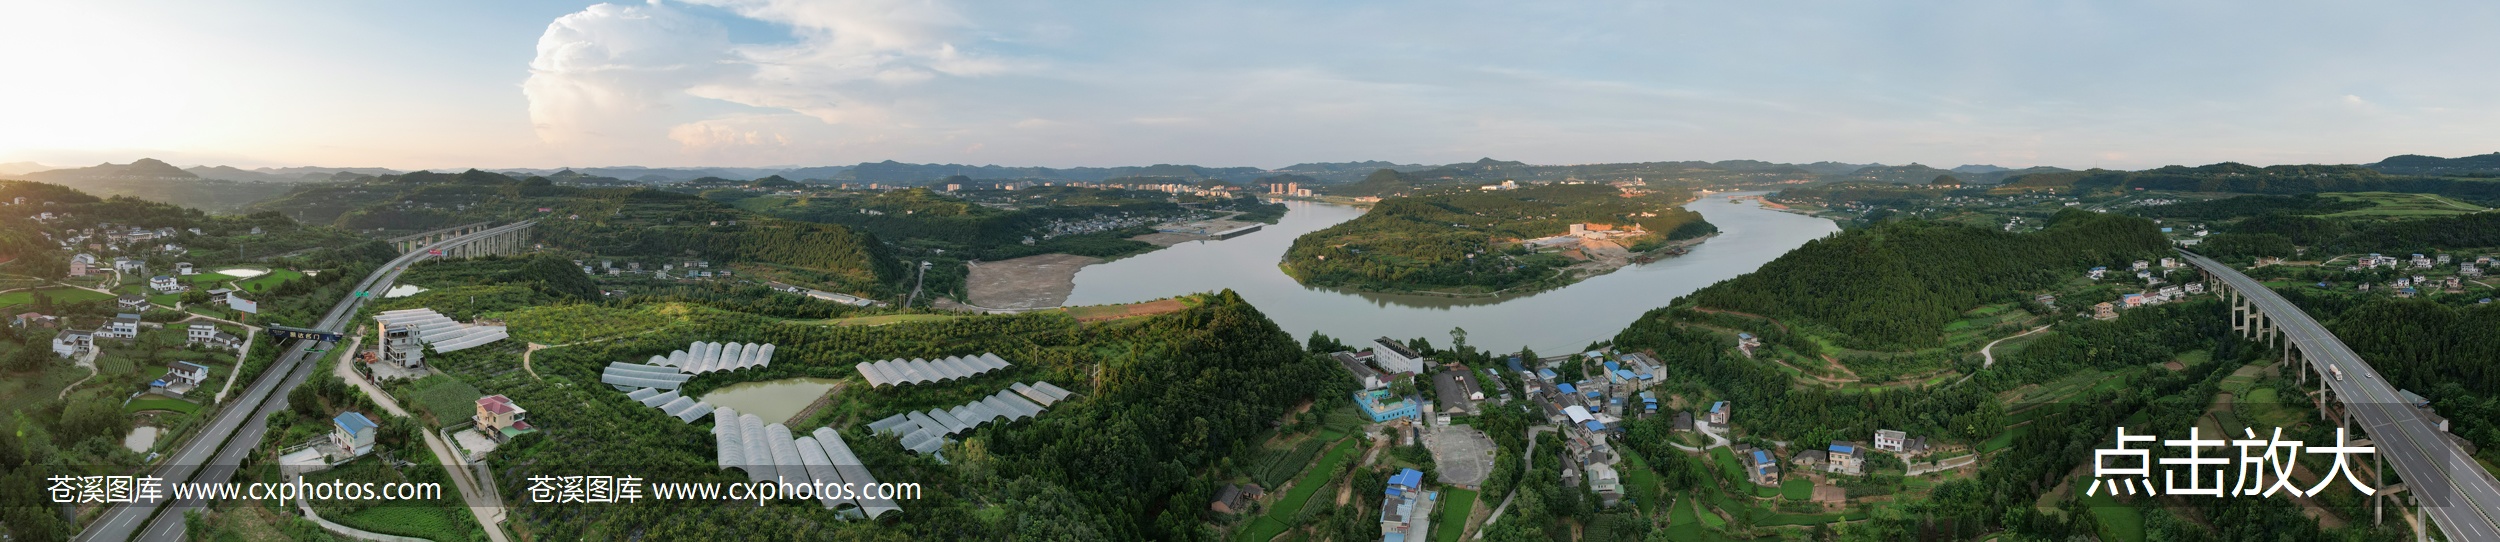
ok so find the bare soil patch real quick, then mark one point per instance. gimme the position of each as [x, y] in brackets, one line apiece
[1030, 282]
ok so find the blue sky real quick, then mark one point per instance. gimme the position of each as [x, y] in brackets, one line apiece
[777, 82]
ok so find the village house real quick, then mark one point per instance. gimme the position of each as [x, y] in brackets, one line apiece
[123, 326]
[1844, 457]
[1899, 442]
[1398, 507]
[33, 320]
[2141, 265]
[1456, 392]
[180, 379]
[2097, 272]
[498, 418]
[1760, 466]
[1718, 413]
[166, 284]
[131, 302]
[1363, 373]
[183, 269]
[1236, 498]
[353, 433]
[72, 343]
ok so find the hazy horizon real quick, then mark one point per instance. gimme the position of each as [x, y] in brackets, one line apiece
[770, 83]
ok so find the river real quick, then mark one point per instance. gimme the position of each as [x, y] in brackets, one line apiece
[1560, 320]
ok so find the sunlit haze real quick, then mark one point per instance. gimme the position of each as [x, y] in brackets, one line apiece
[773, 82]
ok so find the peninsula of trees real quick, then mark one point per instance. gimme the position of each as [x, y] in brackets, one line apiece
[1479, 241]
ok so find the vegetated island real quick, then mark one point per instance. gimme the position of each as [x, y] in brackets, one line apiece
[1491, 241]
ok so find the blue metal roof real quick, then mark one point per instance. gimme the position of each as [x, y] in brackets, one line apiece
[1611, 366]
[353, 422]
[1715, 407]
[1626, 373]
[1593, 425]
[1760, 458]
[1844, 448]
[1566, 388]
[1547, 374]
[1516, 366]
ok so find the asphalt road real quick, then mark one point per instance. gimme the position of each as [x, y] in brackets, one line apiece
[242, 423]
[2461, 497]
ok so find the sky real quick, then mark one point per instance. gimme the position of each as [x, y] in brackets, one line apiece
[497, 83]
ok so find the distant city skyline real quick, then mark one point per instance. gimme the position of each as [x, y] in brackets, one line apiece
[767, 83]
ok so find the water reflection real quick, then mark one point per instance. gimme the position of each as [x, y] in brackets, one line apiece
[1560, 319]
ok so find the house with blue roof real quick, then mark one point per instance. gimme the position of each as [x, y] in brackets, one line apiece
[353, 433]
[1405, 498]
[1566, 388]
[1517, 366]
[1717, 415]
[1547, 374]
[1845, 458]
[1761, 467]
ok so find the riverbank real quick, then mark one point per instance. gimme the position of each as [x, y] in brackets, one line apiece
[1030, 282]
[1566, 318]
[1044, 280]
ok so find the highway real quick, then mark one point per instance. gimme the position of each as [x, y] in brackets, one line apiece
[244, 422]
[2460, 496]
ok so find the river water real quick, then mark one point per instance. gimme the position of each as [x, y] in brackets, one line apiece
[1560, 320]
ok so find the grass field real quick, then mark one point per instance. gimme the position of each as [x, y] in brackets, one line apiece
[1797, 489]
[270, 280]
[162, 403]
[2117, 521]
[1729, 469]
[1639, 482]
[2403, 205]
[447, 399]
[1451, 521]
[1274, 522]
[58, 295]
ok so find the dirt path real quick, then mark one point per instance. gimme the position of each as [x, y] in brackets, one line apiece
[250, 333]
[1029, 282]
[1989, 351]
[87, 362]
[489, 512]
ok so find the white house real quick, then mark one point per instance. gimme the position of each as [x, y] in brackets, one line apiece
[124, 326]
[181, 378]
[183, 269]
[72, 343]
[166, 284]
[353, 432]
[1395, 357]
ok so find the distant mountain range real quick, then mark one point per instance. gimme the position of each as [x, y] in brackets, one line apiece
[2415, 164]
[21, 168]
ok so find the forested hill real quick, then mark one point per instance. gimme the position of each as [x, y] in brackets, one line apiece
[1468, 239]
[1894, 285]
[1163, 406]
[624, 222]
[2247, 179]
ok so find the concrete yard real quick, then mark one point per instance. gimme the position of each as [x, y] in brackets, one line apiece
[1463, 454]
[1030, 282]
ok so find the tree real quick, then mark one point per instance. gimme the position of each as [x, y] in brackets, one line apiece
[1458, 338]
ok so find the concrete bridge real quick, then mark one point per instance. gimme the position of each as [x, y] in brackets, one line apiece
[412, 242]
[2453, 491]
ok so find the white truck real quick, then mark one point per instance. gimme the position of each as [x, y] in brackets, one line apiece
[2338, 370]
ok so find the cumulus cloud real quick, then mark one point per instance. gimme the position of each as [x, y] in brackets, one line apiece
[612, 76]
[617, 78]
